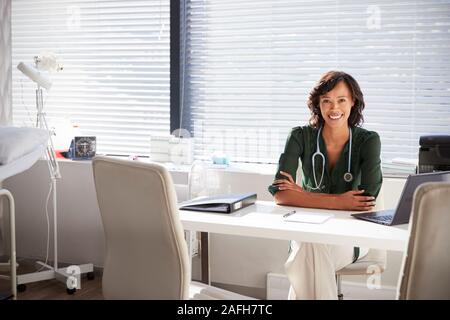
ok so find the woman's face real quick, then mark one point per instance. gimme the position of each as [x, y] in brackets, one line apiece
[336, 105]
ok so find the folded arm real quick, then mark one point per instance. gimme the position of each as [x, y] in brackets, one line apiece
[291, 194]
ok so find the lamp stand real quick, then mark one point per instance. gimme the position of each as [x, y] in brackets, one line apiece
[70, 275]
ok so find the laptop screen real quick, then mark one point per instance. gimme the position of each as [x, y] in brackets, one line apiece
[405, 205]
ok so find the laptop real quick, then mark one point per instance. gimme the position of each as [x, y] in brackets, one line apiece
[401, 214]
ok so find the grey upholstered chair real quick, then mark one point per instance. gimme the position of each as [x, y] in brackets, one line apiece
[426, 264]
[146, 254]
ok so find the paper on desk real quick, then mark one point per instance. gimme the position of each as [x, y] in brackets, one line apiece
[309, 217]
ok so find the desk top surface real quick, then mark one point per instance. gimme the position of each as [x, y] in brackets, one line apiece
[265, 220]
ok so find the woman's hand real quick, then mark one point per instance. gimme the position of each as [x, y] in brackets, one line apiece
[289, 184]
[353, 200]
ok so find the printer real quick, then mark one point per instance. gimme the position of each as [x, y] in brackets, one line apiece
[434, 153]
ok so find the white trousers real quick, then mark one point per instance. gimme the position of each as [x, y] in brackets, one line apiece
[311, 269]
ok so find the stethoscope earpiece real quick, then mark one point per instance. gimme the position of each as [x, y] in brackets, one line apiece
[348, 177]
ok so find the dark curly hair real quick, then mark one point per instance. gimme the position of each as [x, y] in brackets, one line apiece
[326, 83]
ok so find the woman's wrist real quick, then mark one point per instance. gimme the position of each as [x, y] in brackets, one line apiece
[325, 200]
[333, 202]
[301, 198]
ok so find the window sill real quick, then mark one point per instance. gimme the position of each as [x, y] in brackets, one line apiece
[234, 167]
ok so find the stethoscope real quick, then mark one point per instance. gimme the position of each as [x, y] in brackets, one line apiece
[348, 177]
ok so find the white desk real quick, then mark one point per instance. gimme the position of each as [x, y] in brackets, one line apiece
[264, 220]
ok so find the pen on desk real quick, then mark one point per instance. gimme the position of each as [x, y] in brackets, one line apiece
[288, 214]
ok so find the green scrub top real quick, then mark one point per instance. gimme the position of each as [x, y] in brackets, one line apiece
[365, 166]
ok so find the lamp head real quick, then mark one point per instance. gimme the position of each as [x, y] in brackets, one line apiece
[34, 74]
[46, 61]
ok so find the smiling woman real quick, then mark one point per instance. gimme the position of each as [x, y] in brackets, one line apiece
[341, 170]
[340, 160]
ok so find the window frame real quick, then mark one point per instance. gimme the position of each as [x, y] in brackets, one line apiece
[175, 65]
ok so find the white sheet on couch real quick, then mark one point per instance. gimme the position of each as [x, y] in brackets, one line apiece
[16, 142]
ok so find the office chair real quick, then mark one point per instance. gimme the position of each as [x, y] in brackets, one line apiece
[146, 255]
[373, 263]
[426, 264]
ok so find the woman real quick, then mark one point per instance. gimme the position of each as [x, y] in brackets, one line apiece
[341, 170]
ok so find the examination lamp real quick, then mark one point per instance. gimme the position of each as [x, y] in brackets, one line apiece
[48, 63]
[43, 65]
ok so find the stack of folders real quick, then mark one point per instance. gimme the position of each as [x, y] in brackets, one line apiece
[220, 204]
[169, 148]
[399, 166]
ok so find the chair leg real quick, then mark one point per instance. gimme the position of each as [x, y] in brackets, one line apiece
[339, 287]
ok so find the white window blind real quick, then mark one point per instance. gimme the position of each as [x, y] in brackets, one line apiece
[116, 79]
[250, 66]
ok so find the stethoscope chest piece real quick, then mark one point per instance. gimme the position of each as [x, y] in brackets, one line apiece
[348, 177]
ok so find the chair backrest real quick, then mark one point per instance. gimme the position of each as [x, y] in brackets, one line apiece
[426, 265]
[146, 254]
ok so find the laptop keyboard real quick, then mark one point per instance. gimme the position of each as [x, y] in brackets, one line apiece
[383, 217]
[386, 218]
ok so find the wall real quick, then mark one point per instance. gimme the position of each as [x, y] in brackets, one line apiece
[235, 261]
[5, 62]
